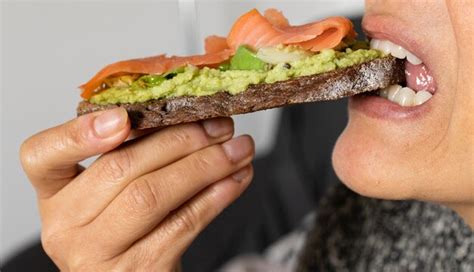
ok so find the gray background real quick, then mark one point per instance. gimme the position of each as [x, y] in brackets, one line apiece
[48, 48]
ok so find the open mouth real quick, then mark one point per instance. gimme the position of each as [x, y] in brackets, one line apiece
[420, 85]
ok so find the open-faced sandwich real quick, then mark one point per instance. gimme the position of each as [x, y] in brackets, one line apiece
[264, 62]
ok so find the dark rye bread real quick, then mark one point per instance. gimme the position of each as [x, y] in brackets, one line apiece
[369, 76]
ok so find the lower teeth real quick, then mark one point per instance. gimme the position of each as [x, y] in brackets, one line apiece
[404, 96]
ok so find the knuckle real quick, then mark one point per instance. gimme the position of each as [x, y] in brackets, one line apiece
[73, 136]
[51, 241]
[59, 138]
[202, 162]
[186, 220]
[62, 247]
[210, 159]
[191, 135]
[142, 198]
[28, 155]
[79, 262]
[116, 165]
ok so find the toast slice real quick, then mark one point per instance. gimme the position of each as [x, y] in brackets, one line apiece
[365, 77]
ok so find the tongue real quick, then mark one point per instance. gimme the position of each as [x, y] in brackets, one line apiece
[419, 78]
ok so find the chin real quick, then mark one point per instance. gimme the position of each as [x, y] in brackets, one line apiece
[364, 160]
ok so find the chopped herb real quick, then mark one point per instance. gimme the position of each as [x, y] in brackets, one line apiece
[152, 80]
[170, 75]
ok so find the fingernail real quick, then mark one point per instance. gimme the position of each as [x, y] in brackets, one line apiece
[241, 174]
[110, 122]
[238, 148]
[218, 127]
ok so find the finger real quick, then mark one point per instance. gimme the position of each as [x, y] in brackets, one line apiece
[175, 234]
[149, 199]
[50, 158]
[95, 188]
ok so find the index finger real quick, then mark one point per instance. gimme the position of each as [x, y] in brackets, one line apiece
[50, 158]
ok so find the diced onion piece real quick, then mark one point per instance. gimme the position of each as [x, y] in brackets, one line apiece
[275, 55]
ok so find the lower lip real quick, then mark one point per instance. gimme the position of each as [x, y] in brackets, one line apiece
[381, 108]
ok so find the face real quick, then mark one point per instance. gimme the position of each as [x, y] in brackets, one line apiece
[420, 152]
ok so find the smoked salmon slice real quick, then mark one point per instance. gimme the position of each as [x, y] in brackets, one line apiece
[276, 18]
[151, 65]
[258, 31]
[214, 44]
[252, 29]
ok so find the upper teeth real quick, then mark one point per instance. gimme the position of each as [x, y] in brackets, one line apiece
[395, 50]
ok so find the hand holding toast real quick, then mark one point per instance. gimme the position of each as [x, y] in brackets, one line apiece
[141, 203]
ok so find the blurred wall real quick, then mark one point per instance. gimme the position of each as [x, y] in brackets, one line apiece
[48, 48]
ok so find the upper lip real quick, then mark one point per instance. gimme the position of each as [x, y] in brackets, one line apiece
[384, 27]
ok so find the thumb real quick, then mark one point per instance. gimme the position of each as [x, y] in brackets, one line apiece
[50, 158]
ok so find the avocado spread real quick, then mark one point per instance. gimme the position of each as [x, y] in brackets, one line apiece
[192, 81]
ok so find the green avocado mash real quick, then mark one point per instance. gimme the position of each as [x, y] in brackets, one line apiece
[192, 81]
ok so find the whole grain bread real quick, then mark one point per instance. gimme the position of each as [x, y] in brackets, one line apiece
[365, 77]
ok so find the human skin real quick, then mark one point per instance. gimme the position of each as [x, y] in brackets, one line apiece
[141, 204]
[428, 156]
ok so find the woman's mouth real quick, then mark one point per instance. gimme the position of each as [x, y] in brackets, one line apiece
[399, 101]
[420, 85]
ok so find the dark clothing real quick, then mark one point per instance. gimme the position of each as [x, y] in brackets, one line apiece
[355, 233]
